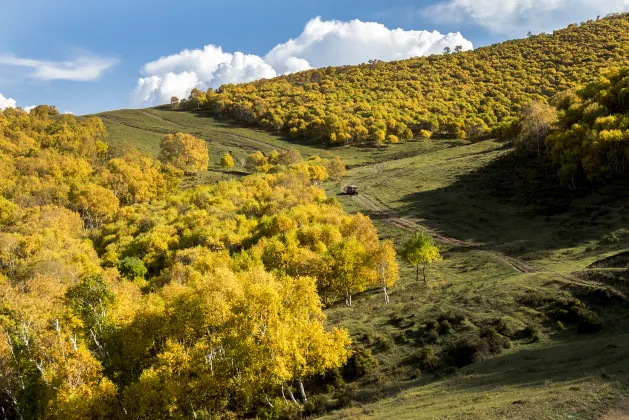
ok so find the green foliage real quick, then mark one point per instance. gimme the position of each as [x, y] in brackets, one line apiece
[420, 250]
[132, 268]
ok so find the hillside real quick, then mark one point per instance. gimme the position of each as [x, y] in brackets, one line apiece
[518, 250]
[464, 95]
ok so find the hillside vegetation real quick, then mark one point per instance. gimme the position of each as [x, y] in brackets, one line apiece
[514, 296]
[122, 294]
[464, 95]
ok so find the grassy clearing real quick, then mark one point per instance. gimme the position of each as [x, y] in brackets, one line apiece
[551, 343]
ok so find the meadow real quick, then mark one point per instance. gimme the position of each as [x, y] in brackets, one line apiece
[517, 278]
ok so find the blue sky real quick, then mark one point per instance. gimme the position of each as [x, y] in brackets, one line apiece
[87, 56]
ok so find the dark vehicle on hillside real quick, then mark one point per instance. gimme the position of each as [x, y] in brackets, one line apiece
[351, 190]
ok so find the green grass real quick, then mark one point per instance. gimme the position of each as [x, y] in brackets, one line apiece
[476, 192]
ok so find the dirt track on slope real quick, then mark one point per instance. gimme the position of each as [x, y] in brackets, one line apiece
[409, 225]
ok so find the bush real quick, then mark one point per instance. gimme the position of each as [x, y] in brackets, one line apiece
[466, 351]
[428, 360]
[445, 327]
[495, 341]
[361, 363]
[532, 332]
[508, 326]
[317, 404]
[572, 311]
[132, 268]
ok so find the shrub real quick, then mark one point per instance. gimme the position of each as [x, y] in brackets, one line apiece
[132, 268]
[466, 351]
[428, 359]
[445, 327]
[495, 341]
[359, 364]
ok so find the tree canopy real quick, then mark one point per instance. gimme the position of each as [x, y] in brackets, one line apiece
[461, 94]
[121, 293]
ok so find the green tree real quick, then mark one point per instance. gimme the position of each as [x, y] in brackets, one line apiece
[420, 250]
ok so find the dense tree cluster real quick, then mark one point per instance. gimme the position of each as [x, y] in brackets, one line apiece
[122, 296]
[464, 94]
[592, 134]
[315, 168]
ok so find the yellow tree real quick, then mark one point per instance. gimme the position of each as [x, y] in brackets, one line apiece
[184, 151]
[386, 267]
[227, 161]
[350, 272]
[421, 250]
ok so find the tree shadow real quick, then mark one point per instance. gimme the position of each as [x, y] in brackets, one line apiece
[518, 204]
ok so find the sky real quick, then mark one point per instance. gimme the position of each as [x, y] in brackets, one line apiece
[88, 56]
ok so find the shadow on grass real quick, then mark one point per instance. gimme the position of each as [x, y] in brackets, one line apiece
[601, 355]
[517, 204]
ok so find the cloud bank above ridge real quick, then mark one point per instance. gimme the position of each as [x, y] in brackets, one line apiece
[517, 17]
[322, 43]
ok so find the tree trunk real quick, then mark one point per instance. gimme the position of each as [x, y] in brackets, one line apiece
[302, 391]
[424, 271]
[284, 395]
[386, 295]
[291, 395]
[348, 299]
[417, 272]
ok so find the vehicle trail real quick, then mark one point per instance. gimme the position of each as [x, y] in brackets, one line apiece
[403, 223]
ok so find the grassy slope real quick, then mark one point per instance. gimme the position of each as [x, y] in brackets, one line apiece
[475, 192]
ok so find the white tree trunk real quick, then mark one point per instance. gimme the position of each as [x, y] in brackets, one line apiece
[302, 391]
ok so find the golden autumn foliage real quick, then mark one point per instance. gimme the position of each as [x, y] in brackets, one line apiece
[184, 151]
[121, 295]
[458, 95]
[591, 139]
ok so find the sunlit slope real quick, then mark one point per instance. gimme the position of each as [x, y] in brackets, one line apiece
[463, 95]
[519, 252]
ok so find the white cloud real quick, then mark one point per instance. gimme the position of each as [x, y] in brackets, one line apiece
[6, 102]
[321, 44]
[336, 43]
[28, 108]
[68, 112]
[84, 68]
[517, 17]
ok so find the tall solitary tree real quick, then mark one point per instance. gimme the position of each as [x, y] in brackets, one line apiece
[184, 151]
[421, 250]
[386, 267]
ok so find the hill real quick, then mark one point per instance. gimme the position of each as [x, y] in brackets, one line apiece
[464, 95]
[525, 268]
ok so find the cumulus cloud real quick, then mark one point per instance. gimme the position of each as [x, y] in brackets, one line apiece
[12, 103]
[84, 68]
[336, 43]
[322, 43]
[6, 102]
[516, 17]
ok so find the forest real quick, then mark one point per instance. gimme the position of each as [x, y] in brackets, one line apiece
[454, 95]
[125, 296]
